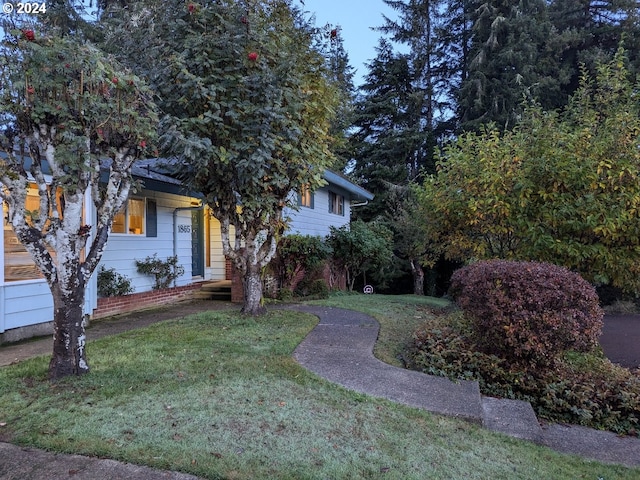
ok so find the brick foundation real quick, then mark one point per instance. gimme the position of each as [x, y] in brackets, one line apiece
[237, 290]
[138, 301]
[228, 270]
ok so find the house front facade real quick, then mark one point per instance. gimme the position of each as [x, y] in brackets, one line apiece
[161, 219]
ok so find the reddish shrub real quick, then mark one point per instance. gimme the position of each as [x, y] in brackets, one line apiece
[528, 312]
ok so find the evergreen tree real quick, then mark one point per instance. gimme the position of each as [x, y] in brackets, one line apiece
[591, 32]
[400, 114]
[385, 143]
[455, 34]
[330, 43]
[510, 60]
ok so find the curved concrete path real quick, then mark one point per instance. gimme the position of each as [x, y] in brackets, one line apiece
[340, 349]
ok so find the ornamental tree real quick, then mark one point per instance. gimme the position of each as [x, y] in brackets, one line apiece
[249, 111]
[562, 187]
[66, 108]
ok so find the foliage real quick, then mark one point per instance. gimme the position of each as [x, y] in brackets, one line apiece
[598, 394]
[361, 247]
[249, 109]
[113, 284]
[70, 117]
[391, 142]
[298, 253]
[403, 216]
[526, 312]
[562, 187]
[510, 57]
[285, 294]
[589, 32]
[164, 272]
[316, 289]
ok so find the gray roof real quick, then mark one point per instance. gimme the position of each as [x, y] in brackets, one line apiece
[156, 169]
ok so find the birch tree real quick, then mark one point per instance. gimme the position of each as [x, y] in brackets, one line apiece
[65, 108]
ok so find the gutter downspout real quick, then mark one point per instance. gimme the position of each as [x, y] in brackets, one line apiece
[175, 229]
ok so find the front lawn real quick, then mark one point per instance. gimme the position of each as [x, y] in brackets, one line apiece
[219, 396]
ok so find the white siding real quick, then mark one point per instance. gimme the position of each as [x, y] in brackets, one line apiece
[317, 220]
[122, 249]
[26, 303]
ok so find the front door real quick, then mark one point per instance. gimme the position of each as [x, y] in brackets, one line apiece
[197, 243]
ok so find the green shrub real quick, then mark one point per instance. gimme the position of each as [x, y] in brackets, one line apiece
[309, 287]
[361, 247]
[113, 284]
[319, 288]
[164, 272]
[528, 312]
[285, 294]
[298, 253]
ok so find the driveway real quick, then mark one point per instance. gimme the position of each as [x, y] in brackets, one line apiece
[620, 339]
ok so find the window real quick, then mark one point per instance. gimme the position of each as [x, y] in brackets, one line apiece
[130, 219]
[18, 264]
[305, 197]
[336, 203]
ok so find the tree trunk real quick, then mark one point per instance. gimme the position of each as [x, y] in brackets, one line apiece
[252, 284]
[69, 354]
[418, 277]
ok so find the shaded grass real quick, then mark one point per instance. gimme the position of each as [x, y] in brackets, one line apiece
[219, 396]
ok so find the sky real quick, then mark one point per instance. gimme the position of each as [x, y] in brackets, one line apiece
[355, 17]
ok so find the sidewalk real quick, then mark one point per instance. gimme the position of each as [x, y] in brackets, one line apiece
[340, 350]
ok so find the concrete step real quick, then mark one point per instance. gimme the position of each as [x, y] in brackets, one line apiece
[515, 418]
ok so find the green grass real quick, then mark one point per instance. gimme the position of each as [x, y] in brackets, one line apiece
[219, 396]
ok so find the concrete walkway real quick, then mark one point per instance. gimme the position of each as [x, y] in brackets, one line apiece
[340, 349]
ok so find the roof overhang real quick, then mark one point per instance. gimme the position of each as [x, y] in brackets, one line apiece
[357, 193]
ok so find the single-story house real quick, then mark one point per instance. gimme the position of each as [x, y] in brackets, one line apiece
[164, 219]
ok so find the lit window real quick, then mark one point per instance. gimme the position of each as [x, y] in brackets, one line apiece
[305, 197]
[18, 264]
[336, 203]
[130, 219]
